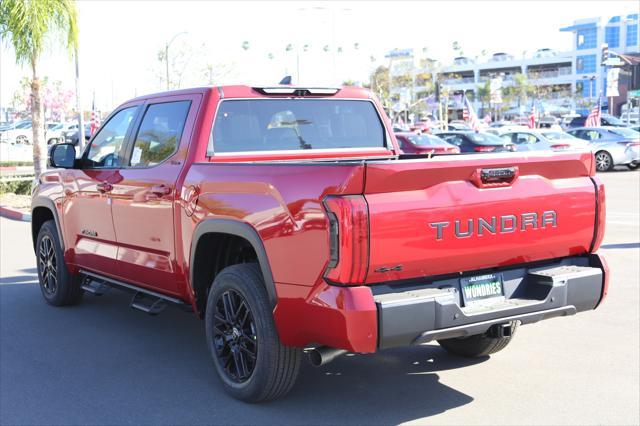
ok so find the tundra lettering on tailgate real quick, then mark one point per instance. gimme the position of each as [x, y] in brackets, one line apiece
[504, 224]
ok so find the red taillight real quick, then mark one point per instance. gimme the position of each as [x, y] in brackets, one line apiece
[601, 214]
[484, 148]
[454, 150]
[348, 239]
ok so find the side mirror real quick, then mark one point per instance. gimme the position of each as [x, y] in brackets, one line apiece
[62, 156]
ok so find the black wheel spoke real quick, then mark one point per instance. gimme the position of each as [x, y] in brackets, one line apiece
[48, 265]
[222, 319]
[248, 352]
[228, 307]
[234, 336]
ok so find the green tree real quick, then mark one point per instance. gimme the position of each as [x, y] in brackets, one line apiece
[520, 89]
[483, 94]
[380, 84]
[28, 25]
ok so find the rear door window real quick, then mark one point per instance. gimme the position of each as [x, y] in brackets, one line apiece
[295, 125]
[159, 133]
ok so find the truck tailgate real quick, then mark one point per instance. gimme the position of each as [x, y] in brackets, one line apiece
[438, 216]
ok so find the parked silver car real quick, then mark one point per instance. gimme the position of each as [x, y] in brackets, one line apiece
[612, 146]
[544, 140]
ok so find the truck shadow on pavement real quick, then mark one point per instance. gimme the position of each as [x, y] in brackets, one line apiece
[31, 278]
[104, 363]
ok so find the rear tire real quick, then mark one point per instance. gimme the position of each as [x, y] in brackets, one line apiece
[58, 286]
[242, 338]
[479, 345]
[633, 166]
[604, 161]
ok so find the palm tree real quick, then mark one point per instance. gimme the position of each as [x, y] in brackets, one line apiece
[27, 25]
[483, 94]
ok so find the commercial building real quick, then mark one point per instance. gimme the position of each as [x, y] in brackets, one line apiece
[565, 80]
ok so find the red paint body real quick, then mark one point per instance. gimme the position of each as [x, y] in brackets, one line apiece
[144, 233]
[408, 147]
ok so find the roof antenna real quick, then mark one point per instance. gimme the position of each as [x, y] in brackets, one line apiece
[286, 80]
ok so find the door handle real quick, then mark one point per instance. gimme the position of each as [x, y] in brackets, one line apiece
[160, 190]
[104, 187]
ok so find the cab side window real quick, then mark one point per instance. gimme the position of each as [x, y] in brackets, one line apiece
[105, 150]
[159, 134]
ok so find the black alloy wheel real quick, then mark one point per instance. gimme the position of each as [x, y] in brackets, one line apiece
[235, 338]
[48, 265]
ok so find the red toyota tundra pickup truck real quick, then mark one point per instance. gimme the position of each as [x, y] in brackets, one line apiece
[286, 218]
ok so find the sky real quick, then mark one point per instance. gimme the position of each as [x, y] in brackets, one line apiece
[120, 41]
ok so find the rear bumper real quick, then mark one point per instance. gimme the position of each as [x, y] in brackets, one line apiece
[369, 318]
[628, 156]
[419, 315]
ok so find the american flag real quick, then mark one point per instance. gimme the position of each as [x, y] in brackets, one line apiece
[467, 110]
[593, 119]
[95, 120]
[532, 117]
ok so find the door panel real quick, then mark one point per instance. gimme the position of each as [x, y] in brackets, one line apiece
[87, 205]
[143, 196]
[87, 220]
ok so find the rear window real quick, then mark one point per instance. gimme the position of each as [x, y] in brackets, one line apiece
[625, 133]
[295, 124]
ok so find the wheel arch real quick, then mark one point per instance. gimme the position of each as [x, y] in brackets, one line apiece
[231, 228]
[42, 210]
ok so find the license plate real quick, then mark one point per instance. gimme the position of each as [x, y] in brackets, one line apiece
[483, 289]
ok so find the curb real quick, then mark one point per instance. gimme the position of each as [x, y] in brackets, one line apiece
[16, 168]
[10, 213]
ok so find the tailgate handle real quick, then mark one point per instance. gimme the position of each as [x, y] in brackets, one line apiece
[495, 178]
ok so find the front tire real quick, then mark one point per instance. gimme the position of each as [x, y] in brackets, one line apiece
[604, 161]
[58, 286]
[479, 345]
[242, 338]
[633, 166]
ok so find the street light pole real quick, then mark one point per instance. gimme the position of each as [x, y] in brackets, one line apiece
[81, 139]
[166, 56]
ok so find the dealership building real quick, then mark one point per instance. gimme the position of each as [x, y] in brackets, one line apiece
[566, 81]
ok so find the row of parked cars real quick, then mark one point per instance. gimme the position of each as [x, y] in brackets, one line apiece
[611, 145]
[21, 132]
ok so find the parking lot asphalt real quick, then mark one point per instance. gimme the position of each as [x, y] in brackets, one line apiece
[104, 363]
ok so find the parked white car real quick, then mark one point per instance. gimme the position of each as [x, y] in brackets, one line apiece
[19, 133]
[544, 140]
[53, 133]
[507, 128]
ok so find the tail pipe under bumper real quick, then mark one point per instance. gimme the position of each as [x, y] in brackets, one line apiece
[323, 355]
